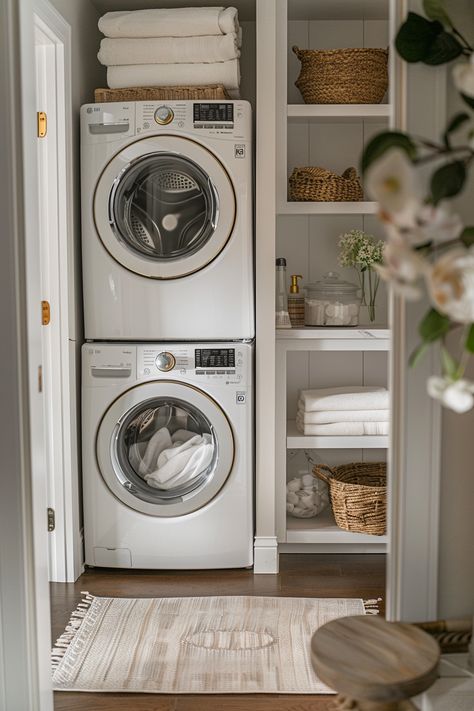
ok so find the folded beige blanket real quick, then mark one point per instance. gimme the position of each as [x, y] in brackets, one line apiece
[169, 50]
[324, 417]
[226, 73]
[349, 429]
[348, 397]
[172, 22]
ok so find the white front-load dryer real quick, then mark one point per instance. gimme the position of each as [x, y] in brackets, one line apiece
[167, 244]
[167, 436]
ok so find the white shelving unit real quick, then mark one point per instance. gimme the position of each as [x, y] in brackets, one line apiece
[327, 208]
[303, 530]
[303, 113]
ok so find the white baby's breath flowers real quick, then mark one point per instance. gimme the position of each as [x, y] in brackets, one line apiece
[463, 76]
[457, 395]
[450, 282]
[402, 267]
[360, 250]
[393, 183]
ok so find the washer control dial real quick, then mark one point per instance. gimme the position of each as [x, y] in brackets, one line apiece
[164, 115]
[165, 361]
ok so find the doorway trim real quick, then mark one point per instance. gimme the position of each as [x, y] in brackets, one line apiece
[65, 542]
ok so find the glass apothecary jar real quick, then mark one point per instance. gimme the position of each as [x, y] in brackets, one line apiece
[332, 302]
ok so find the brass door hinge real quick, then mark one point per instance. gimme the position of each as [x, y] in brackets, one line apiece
[51, 520]
[45, 313]
[42, 124]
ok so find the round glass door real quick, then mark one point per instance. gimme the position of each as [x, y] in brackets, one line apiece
[162, 453]
[164, 207]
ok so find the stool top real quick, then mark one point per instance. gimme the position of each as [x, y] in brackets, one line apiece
[368, 658]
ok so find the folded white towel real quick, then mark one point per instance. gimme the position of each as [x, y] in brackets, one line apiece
[350, 397]
[169, 50]
[182, 463]
[350, 429]
[226, 73]
[323, 417]
[172, 22]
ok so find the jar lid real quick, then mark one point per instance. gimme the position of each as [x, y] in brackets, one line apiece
[332, 283]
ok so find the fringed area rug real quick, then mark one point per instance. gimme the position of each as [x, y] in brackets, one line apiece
[195, 645]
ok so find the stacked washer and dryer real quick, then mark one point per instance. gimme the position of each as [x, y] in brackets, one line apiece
[167, 367]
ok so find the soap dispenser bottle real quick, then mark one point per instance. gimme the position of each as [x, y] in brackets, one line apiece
[296, 303]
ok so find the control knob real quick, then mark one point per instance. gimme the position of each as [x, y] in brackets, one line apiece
[164, 115]
[165, 361]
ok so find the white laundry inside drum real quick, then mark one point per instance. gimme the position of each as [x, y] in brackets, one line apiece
[164, 206]
[167, 449]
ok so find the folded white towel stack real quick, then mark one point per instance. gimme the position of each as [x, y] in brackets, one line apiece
[351, 411]
[188, 46]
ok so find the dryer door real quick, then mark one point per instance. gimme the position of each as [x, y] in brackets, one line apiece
[164, 207]
[165, 448]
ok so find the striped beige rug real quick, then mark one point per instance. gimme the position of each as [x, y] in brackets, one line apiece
[194, 645]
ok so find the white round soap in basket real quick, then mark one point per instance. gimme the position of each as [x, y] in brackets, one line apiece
[306, 496]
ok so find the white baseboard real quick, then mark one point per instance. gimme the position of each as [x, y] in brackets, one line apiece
[265, 555]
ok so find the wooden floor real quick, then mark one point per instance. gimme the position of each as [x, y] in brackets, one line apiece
[361, 576]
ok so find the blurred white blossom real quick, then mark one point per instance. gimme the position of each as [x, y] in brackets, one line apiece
[463, 76]
[392, 181]
[450, 283]
[457, 395]
[403, 267]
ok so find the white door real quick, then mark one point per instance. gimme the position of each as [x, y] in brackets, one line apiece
[165, 448]
[164, 207]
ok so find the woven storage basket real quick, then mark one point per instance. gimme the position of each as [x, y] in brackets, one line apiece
[342, 76]
[160, 93]
[358, 495]
[322, 185]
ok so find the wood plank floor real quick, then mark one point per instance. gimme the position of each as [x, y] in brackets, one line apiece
[361, 576]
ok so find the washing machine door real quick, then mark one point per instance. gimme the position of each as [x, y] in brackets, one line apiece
[164, 207]
[165, 448]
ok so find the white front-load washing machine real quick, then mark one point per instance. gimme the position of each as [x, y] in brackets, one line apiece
[168, 455]
[167, 220]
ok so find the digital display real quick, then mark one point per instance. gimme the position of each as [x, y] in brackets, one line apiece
[215, 357]
[213, 113]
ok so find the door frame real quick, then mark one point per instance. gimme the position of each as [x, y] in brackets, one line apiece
[56, 215]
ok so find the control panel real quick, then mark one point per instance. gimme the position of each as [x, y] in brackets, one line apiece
[197, 363]
[231, 118]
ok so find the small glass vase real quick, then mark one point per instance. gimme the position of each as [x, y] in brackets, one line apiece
[367, 314]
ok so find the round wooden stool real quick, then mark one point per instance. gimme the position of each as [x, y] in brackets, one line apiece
[374, 665]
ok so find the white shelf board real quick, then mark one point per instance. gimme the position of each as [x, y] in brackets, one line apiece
[322, 529]
[366, 333]
[338, 113]
[328, 208]
[296, 440]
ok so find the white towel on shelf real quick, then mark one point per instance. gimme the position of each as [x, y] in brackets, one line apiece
[350, 429]
[324, 417]
[226, 73]
[169, 50]
[172, 22]
[350, 397]
[182, 463]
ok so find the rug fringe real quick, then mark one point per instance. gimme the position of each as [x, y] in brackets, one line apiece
[77, 616]
[372, 606]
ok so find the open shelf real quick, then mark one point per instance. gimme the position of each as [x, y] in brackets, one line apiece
[355, 333]
[338, 112]
[323, 529]
[328, 208]
[296, 440]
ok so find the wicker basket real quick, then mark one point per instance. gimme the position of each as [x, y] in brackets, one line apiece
[358, 495]
[322, 185]
[160, 93]
[342, 76]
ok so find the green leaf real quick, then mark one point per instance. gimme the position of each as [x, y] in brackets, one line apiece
[448, 180]
[435, 11]
[450, 366]
[470, 340]
[469, 100]
[467, 236]
[418, 354]
[415, 37]
[382, 142]
[443, 49]
[456, 122]
[433, 326]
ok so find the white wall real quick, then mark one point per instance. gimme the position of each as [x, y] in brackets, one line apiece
[456, 572]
